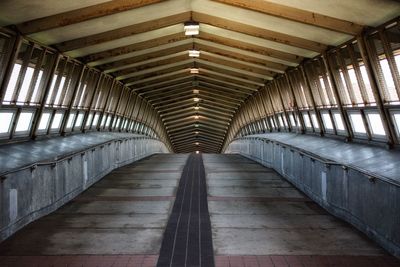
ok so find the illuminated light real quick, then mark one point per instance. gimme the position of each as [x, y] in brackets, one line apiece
[196, 99]
[195, 91]
[196, 132]
[196, 117]
[196, 125]
[194, 53]
[196, 108]
[197, 143]
[191, 28]
[197, 152]
[194, 70]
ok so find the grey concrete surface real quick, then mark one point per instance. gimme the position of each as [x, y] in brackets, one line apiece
[376, 160]
[352, 181]
[14, 156]
[106, 220]
[259, 213]
[41, 176]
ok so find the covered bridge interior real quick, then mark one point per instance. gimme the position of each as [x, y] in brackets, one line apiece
[199, 133]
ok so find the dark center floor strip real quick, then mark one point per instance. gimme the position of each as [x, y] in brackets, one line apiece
[188, 238]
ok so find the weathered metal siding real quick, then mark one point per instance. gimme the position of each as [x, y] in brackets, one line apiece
[30, 193]
[369, 203]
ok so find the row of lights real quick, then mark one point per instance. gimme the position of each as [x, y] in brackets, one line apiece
[193, 28]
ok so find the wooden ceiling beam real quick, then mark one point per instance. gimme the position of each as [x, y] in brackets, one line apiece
[195, 140]
[151, 94]
[81, 14]
[221, 69]
[192, 112]
[237, 65]
[217, 87]
[183, 73]
[188, 133]
[123, 32]
[206, 133]
[243, 45]
[298, 15]
[190, 102]
[152, 67]
[141, 47]
[202, 147]
[162, 84]
[241, 56]
[160, 73]
[182, 107]
[212, 126]
[187, 96]
[259, 32]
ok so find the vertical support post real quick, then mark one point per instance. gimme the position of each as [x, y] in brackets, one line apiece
[39, 112]
[314, 106]
[295, 105]
[367, 56]
[343, 114]
[71, 102]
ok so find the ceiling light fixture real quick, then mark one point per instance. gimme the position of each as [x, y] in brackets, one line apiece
[196, 99]
[197, 143]
[191, 28]
[196, 117]
[194, 70]
[194, 53]
[196, 91]
[196, 107]
[197, 152]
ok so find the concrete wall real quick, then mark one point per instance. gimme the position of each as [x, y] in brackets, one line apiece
[27, 194]
[370, 204]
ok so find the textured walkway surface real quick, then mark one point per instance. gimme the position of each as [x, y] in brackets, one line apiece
[187, 239]
[120, 221]
[259, 219]
[255, 219]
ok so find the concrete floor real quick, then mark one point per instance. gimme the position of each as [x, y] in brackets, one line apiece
[258, 219]
[255, 212]
[125, 213]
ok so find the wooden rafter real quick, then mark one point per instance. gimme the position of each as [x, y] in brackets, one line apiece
[298, 15]
[259, 32]
[82, 14]
[123, 32]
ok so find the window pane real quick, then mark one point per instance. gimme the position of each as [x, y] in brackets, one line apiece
[357, 123]
[79, 120]
[89, 119]
[280, 120]
[307, 121]
[367, 84]
[103, 120]
[108, 121]
[25, 85]
[314, 120]
[12, 83]
[95, 120]
[57, 121]
[338, 121]
[327, 121]
[396, 118]
[70, 120]
[24, 121]
[44, 120]
[376, 125]
[5, 118]
[36, 89]
[387, 75]
[292, 121]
